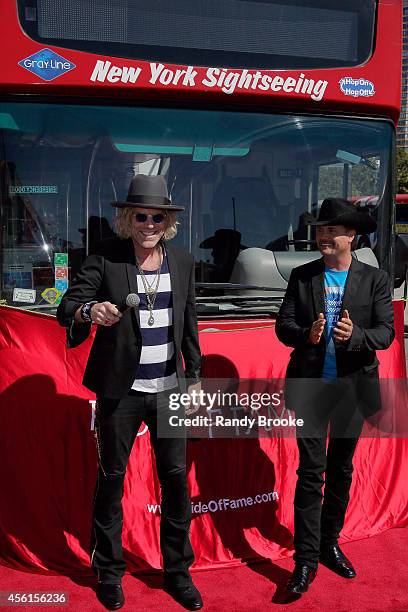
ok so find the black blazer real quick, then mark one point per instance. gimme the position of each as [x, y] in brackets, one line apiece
[367, 297]
[115, 353]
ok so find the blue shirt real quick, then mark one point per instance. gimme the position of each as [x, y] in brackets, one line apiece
[334, 283]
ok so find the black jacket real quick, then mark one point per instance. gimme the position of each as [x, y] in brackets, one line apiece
[367, 297]
[116, 350]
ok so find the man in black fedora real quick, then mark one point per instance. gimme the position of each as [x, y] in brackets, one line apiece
[134, 364]
[336, 313]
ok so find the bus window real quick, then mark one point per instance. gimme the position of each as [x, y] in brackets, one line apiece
[356, 179]
[246, 181]
[352, 180]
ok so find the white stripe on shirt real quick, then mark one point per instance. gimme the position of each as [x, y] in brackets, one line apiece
[163, 317]
[155, 385]
[157, 354]
[164, 284]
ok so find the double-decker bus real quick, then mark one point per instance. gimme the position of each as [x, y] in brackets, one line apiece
[254, 112]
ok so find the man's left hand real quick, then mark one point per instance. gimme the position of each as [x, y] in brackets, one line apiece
[194, 405]
[344, 328]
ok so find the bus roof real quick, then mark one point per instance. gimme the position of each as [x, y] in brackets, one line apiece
[373, 88]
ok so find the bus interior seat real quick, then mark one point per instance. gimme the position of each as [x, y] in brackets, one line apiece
[266, 268]
[367, 256]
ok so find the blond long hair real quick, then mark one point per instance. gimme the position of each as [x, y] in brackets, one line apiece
[123, 223]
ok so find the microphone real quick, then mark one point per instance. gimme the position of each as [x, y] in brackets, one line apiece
[132, 301]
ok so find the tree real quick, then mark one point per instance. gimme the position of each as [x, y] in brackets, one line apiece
[402, 171]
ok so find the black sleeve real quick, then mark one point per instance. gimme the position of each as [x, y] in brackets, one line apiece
[381, 333]
[190, 346]
[287, 329]
[83, 289]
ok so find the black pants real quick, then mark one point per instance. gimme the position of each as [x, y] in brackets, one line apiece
[318, 524]
[116, 425]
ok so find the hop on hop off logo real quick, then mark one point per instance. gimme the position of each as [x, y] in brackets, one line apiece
[47, 64]
[356, 87]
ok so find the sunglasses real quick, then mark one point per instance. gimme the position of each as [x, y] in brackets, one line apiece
[142, 218]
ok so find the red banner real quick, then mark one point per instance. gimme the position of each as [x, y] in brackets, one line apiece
[241, 490]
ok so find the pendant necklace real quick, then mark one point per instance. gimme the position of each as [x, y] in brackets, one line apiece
[150, 289]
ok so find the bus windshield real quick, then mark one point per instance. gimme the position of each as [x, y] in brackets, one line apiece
[246, 181]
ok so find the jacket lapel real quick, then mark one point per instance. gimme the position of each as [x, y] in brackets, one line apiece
[175, 287]
[318, 288]
[131, 273]
[352, 285]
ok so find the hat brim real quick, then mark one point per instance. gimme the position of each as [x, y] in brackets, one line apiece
[167, 208]
[211, 242]
[361, 222]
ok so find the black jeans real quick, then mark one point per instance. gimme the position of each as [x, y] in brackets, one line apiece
[316, 524]
[116, 425]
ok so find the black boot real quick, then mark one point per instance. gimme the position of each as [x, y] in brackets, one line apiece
[302, 577]
[187, 596]
[110, 595]
[334, 558]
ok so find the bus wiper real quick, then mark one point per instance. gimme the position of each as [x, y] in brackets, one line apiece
[217, 308]
[238, 287]
[238, 298]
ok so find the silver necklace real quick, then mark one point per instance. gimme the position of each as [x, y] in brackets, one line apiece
[150, 289]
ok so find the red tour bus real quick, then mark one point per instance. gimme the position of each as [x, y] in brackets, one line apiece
[254, 112]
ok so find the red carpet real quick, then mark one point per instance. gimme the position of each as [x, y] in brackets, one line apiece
[381, 584]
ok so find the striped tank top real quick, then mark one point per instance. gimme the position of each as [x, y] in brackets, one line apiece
[157, 367]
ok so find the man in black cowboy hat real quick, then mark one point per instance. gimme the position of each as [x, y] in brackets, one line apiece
[134, 363]
[336, 313]
[225, 245]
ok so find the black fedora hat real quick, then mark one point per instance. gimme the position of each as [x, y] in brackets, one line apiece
[337, 211]
[148, 192]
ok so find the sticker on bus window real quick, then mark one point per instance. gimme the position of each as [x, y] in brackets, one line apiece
[401, 228]
[61, 284]
[358, 88]
[60, 259]
[46, 64]
[51, 295]
[18, 275]
[24, 295]
[35, 189]
[61, 272]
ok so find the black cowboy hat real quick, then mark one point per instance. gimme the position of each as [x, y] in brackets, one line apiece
[337, 211]
[148, 192]
[222, 237]
[96, 224]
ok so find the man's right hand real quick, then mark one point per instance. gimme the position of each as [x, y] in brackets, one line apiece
[102, 313]
[317, 329]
